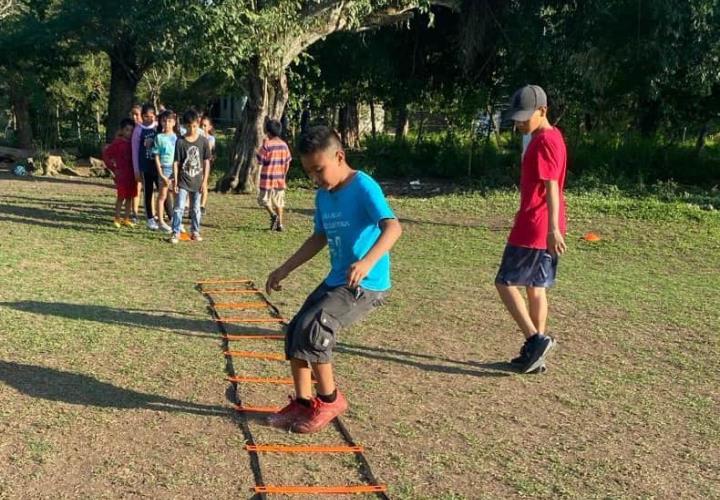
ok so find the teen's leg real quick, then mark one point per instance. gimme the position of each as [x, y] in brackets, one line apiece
[538, 304]
[302, 378]
[280, 212]
[514, 303]
[195, 213]
[150, 180]
[162, 197]
[180, 199]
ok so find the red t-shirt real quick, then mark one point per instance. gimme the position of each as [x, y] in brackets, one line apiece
[118, 158]
[545, 160]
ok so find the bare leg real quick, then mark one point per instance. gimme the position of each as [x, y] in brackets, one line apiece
[280, 211]
[537, 300]
[162, 196]
[136, 200]
[302, 378]
[118, 205]
[128, 202]
[515, 304]
[325, 378]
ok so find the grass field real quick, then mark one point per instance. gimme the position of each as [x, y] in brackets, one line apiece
[111, 381]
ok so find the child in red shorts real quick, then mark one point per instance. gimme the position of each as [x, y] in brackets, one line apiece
[118, 159]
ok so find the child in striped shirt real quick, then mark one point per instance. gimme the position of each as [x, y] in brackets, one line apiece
[274, 159]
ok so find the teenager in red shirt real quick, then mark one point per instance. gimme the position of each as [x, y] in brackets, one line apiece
[538, 235]
[118, 159]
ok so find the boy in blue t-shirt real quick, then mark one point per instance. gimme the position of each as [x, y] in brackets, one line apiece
[355, 221]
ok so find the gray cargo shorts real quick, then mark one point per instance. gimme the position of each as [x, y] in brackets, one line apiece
[312, 333]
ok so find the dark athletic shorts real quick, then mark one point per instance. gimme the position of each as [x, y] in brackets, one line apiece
[522, 266]
[312, 333]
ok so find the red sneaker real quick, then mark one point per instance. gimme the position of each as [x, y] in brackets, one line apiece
[288, 415]
[321, 415]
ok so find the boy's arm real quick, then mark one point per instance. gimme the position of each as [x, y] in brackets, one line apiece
[555, 241]
[307, 251]
[390, 233]
[135, 146]
[206, 174]
[175, 176]
[158, 166]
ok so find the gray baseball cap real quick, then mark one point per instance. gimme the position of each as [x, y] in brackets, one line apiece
[525, 101]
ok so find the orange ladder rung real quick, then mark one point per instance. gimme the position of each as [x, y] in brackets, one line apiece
[282, 448]
[257, 409]
[261, 380]
[379, 488]
[274, 356]
[249, 320]
[254, 337]
[220, 281]
[239, 291]
[240, 305]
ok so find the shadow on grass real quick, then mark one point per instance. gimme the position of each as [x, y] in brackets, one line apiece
[202, 328]
[74, 388]
[442, 365]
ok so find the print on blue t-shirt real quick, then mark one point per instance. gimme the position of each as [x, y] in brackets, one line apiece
[350, 219]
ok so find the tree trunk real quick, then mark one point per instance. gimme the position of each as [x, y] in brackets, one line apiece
[123, 83]
[267, 97]
[21, 107]
[373, 127]
[349, 125]
[402, 124]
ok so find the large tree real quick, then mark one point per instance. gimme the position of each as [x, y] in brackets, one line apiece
[268, 36]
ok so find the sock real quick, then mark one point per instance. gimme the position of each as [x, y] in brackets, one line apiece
[330, 398]
[305, 402]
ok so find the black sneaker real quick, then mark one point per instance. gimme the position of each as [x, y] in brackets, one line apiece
[273, 222]
[538, 347]
[523, 358]
[279, 228]
[202, 211]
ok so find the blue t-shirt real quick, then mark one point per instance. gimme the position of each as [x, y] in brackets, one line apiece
[165, 148]
[350, 218]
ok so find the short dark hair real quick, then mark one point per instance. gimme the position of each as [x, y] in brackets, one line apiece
[146, 108]
[168, 113]
[318, 138]
[190, 116]
[126, 122]
[273, 127]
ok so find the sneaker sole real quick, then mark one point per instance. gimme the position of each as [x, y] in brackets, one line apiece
[541, 360]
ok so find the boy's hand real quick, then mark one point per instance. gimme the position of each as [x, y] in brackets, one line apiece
[556, 243]
[273, 281]
[176, 188]
[357, 273]
[203, 187]
[138, 178]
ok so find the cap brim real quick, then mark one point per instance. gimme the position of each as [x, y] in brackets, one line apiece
[520, 115]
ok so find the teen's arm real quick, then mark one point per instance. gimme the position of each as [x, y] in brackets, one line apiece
[390, 233]
[555, 241]
[206, 174]
[135, 147]
[175, 176]
[307, 251]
